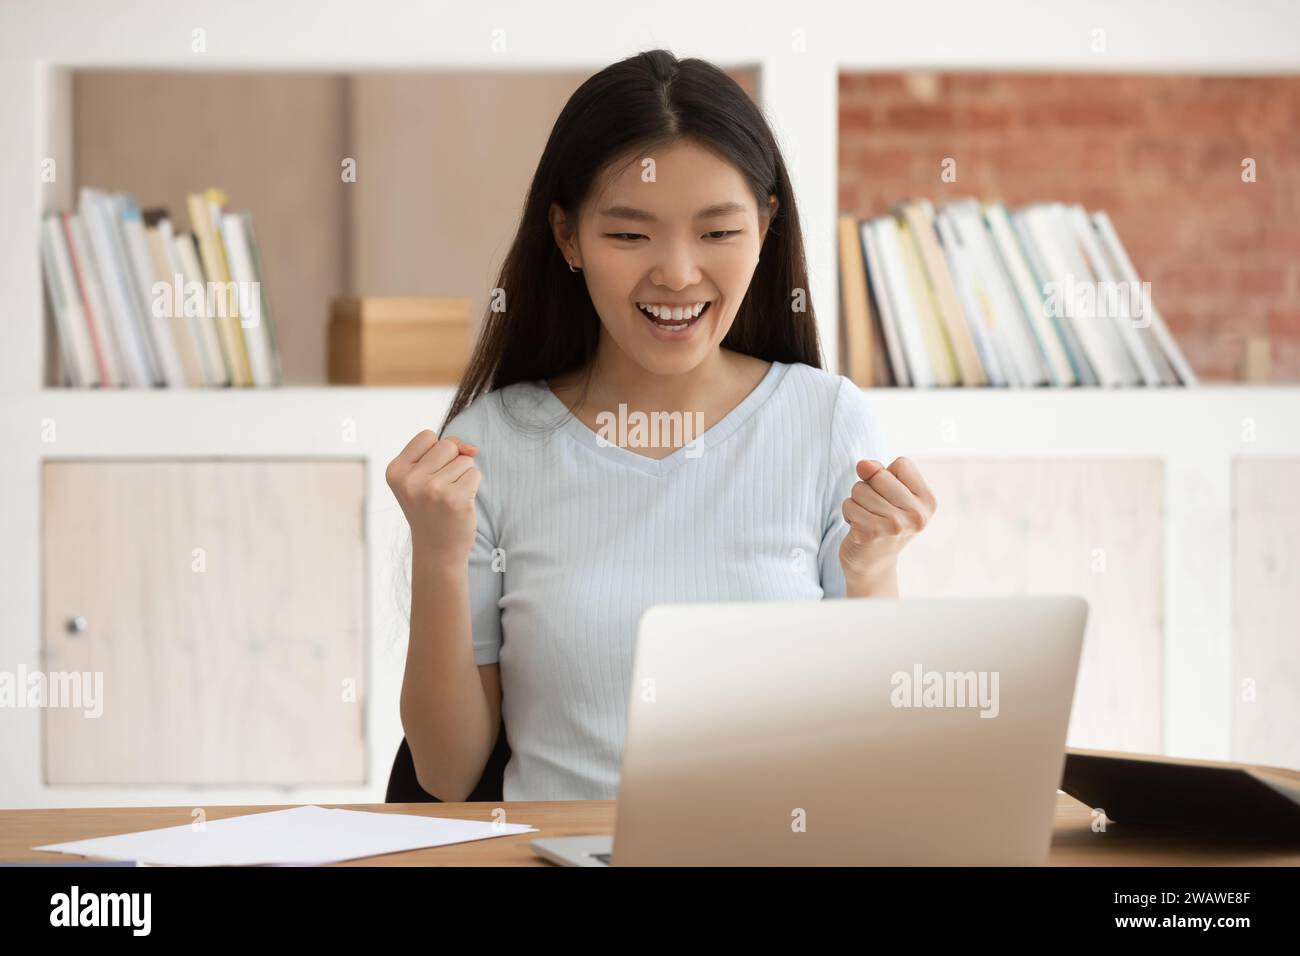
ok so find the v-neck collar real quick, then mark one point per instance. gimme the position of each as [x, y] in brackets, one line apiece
[712, 436]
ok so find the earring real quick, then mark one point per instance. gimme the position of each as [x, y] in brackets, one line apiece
[571, 269]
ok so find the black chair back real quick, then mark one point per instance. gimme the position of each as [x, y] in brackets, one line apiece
[403, 787]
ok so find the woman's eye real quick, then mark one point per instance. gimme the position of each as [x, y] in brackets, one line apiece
[631, 236]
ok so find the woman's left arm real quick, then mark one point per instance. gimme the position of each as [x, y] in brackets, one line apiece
[886, 508]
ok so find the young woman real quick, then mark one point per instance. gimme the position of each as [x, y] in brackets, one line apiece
[658, 269]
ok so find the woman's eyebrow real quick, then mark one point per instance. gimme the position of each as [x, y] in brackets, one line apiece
[708, 212]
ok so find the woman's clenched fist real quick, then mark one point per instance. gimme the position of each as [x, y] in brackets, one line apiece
[435, 480]
[886, 508]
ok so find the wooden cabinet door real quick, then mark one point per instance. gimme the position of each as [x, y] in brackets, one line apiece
[1087, 526]
[1266, 611]
[221, 606]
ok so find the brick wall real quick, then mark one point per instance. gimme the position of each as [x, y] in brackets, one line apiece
[1161, 154]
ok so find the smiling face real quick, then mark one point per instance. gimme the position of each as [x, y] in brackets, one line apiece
[679, 231]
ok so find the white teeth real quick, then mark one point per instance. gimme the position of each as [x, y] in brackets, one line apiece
[674, 313]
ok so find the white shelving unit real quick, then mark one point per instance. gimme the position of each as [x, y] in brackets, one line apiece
[799, 53]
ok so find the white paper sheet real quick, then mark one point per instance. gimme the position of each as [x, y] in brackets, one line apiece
[298, 836]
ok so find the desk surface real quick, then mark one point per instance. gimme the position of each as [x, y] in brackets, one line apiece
[1073, 841]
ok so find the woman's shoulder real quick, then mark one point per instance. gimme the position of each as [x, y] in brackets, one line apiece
[819, 388]
[497, 411]
[818, 377]
[836, 400]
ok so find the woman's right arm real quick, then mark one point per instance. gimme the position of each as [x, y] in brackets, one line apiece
[450, 706]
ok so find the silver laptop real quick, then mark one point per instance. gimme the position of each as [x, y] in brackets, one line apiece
[861, 731]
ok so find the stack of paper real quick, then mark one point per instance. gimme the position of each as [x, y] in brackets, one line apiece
[298, 836]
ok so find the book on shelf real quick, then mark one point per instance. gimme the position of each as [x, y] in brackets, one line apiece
[918, 363]
[934, 276]
[972, 293]
[860, 338]
[137, 304]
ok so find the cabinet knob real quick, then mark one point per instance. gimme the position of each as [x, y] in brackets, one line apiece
[76, 624]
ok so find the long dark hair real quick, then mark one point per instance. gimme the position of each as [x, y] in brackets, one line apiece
[632, 107]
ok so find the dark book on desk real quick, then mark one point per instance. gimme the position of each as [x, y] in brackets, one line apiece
[1201, 795]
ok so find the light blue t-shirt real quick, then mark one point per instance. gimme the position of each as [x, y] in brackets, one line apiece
[577, 537]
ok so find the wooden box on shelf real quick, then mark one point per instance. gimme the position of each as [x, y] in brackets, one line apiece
[403, 340]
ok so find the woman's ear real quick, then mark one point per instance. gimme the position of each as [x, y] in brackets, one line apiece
[563, 230]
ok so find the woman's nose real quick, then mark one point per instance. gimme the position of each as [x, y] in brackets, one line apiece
[677, 270]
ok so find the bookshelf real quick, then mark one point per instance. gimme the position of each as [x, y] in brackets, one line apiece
[798, 53]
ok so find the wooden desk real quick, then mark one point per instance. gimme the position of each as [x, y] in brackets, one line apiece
[1073, 843]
